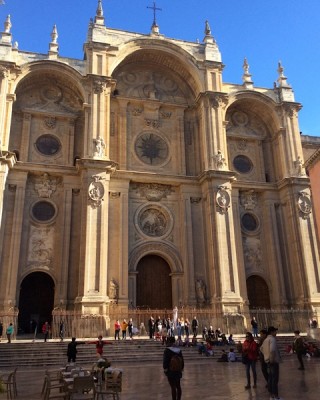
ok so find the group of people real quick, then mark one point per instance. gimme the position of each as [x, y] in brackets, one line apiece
[123, 326]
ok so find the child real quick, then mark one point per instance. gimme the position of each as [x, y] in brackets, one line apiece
[224, 357]
[232, 356]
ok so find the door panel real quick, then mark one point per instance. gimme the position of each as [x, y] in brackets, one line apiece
[154, 288]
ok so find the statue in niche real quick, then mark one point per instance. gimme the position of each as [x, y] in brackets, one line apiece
[220, 161]
[299, 167]
[200, 291]
[99, 147]
[113, 290]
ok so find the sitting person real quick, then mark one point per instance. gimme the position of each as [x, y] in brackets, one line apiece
[194, 341]
[211, 336]
[209, 349]
[204, 333]
[223, 339]
[232, 356]
[230, 339]
[239, 347]
[224, 357]
[186, 342]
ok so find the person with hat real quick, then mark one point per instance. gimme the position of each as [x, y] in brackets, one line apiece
[272, 357]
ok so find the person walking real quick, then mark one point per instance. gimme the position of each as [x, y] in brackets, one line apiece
[72, 350]
[195, 326]
[61, 331]
[46, 330]
[10, 331]
[130, 328]
[272, 357]
[250, 355]
[299, 348]
[254, 325]
[173, 365]
[1, 330]
[124, 326]
[264, 365]
[117, 327]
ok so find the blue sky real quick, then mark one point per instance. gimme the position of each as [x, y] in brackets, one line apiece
[262, 31]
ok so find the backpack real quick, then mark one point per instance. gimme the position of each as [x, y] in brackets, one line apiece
[176, 363]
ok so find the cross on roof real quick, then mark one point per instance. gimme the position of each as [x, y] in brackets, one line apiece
[154, 8]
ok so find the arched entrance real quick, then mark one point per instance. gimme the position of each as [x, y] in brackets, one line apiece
[36, 301]
[154, 289]
[258, 292]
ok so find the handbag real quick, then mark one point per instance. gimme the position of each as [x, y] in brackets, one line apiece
[245, 359]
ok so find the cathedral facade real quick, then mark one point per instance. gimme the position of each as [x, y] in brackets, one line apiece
[137, 177]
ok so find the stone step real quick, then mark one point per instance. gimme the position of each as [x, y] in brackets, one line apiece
[53, 353]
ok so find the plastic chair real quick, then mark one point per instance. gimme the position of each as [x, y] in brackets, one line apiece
[83, 388]
[7, 381]
[55, 380]
[50, 392]
[111, 386]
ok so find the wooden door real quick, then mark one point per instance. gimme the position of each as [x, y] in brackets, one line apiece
[258, 292]
[154, 288]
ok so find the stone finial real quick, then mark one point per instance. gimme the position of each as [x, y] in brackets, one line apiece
[246, 77]
[15, 45]
[207, 30]
[7, 24]
[282, 79]
[208, 35]
[53, 45]
[54, 34]
[99, 18]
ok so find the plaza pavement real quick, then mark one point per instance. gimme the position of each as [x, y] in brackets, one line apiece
[203, 380]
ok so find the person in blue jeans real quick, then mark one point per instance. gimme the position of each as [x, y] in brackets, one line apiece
[250, 354]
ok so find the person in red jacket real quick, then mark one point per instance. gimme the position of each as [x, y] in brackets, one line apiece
[250, 354]
[99, 345]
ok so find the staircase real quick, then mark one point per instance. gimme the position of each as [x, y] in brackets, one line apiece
[53, 353]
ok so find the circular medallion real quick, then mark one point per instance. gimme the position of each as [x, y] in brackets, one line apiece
[154, 221]
[151, 149]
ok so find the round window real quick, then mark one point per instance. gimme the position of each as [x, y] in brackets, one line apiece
[249, 222]
[48, 145]
[43, 211]
[151, 149]
[242, 164]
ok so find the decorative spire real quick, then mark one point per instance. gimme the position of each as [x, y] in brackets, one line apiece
[99, 9]
[246, 77]
[207, 30]
[99, 19]
[282, 80]
[155, 27]
[208, 36]
[54, 34]
[53, 45]
[7, 24]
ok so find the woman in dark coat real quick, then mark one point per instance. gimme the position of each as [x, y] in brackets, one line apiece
[173, 365]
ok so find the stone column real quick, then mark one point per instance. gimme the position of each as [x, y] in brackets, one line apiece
[187, 248]
[213, 130]
[12, 265]
[93, 268]
[7, 161]
[220, 224]
[62, 287]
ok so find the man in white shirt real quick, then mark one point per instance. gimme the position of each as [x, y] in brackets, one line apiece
[271, 355]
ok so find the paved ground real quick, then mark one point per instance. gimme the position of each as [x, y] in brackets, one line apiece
[204, 380]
